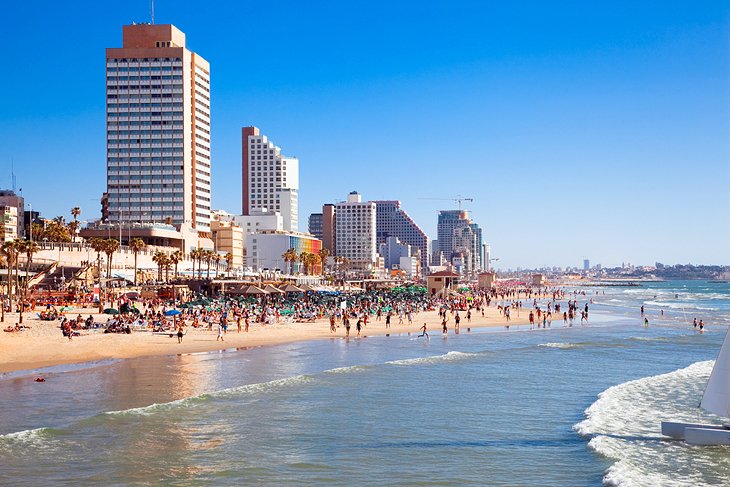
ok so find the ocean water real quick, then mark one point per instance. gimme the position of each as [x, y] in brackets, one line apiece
[564, 406]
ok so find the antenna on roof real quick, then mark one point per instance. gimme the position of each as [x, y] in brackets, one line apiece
[152, 2]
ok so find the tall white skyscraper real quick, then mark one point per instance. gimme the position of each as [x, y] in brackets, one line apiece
[158, 129]
[270, 179]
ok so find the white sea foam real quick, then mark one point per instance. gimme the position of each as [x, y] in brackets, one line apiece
[349, 370]
[680, 306]
[624, 425]
[558, 345]
[233, 392]
[36, 440]
[434, 359]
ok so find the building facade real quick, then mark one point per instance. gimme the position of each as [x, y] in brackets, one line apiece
[355, 232]
[329, 237]
[8, 197]
[315, 225]
[8, 223]
[158, 129]
[460, 240]
[228, 238]
[265, 250]
[393, 221]
[270, 179]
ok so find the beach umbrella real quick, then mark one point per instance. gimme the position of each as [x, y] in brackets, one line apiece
[172, 312]
[111, 311]
[66, 308]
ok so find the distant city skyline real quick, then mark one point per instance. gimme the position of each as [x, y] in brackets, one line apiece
[581, 130]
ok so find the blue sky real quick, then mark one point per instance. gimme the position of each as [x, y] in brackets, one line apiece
[581, 129]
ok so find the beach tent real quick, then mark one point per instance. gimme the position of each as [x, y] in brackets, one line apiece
[111, 311]
[172, 312]
[291, 288]
[307, 288]
[255, 290]
[273, 290]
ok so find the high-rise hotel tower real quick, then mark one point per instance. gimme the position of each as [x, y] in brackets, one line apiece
[158, 129]
[270, 179]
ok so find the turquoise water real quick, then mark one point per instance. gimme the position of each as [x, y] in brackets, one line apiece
[490, 407]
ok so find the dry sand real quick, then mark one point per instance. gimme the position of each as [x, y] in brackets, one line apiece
[43, 345]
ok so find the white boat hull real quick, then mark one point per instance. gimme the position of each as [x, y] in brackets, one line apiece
[707, 436]
[679, 430]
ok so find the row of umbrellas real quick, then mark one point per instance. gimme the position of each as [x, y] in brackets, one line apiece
[288, 289]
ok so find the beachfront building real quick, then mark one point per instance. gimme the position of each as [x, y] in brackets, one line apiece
[355, 232]
[8, 197]
[158, 130]
[259, 220]
[8, 223]
[393, 221]
[315, 225]
[228, 238]
[270, 179]
[265, 250]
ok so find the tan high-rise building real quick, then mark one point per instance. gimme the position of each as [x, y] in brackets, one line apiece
[158, 129]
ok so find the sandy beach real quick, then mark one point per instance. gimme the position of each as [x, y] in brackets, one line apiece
[42, 344]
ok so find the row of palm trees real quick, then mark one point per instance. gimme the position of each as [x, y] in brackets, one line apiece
[309, 261]
[11, 252]
[165, 261]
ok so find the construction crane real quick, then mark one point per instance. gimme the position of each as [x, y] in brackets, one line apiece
[458, 199]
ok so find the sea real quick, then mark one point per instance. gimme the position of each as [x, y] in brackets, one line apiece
[563, 406]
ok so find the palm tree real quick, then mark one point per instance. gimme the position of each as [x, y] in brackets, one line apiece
[12, 250]
[201, 257]
[323, 254]
[208, 259]
[160, 258]
[29, 248]
[290, 256]
[175, 258]
[229, 263]
[217, 259]
[304, 260]
[74, 226]
[137, 245]
[110, 246]
[194, 256]
[314, 261]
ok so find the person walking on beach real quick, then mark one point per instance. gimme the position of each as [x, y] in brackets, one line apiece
[246, 322]
[444, 330]
[220, 332]
[358, 326]
[180, 333]
[532, 320]
[423, 332]
[346, 322]
[238, 322]
[333, 327]
[387, 319]
[457, 320]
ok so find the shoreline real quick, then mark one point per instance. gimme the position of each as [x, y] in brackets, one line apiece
[28, 350]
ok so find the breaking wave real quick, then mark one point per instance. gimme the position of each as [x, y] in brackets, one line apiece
[624, 425]
[435, 359]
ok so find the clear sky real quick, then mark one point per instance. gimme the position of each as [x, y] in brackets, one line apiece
[581, 129]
